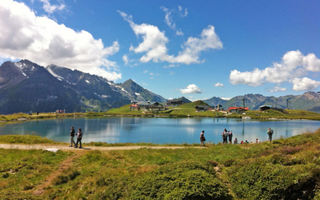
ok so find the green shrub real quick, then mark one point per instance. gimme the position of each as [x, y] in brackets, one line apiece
[264, 180]
[187, 180]
[24, 139]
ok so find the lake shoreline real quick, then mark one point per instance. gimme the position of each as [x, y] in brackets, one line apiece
[251, 115]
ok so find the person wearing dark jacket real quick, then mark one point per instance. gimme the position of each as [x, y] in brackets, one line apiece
[72, 133]
[79, 138]
[224, 136]
[270, 133]
[230, 137]
[202, 138]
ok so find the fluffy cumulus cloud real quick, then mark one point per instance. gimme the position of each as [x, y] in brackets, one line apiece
[194, 46]
[293, 65]
[191, 89]
[42, 40]
[154, 41]
[218, 84]
[50, 8]
[278, 89]
[305, 83]
[154, 44]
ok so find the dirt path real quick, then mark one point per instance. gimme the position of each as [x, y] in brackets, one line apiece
[86, 148]
[64, 165]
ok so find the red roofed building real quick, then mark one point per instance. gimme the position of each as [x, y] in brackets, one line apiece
[237, 109]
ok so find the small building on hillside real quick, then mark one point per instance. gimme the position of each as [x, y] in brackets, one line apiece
[175, 102]
[147, 106]
[178, 101]
[202, 108]
[238, 110]
[157, 107]
[134, 106]
[265, 107]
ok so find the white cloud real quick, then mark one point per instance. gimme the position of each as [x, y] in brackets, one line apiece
[155, 49]
[225, 98]
[194, 46]
[183, 12]
[154, 41]
[218, 84]
[190, 89]
[50, 8]
[278, 89]
[44, 41]
[305, 83]
[254, 78]
[168, 17]
[179, 33]
[125, 59]
[311, 63]
[293, 64]
[169, 21]
[170, 66]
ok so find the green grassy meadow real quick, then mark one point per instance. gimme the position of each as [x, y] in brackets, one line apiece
[286, 169]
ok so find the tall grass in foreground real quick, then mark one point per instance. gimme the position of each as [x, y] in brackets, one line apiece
[287, 169]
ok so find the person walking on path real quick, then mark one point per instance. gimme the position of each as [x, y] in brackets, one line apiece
[230, 136]
[72, 133]
[79, 138]
[224, 136]
[202, 138]
[270, 133]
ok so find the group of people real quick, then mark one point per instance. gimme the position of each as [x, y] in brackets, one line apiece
[79, 137]
[227, 136]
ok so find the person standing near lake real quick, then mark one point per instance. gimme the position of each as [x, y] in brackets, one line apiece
[270, 133]
[224, 136]
[235, 141]
[72, 133]
[202, 138]
[230, 136]
[79, 138]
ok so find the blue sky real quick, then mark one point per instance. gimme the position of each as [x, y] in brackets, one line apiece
[197, 49]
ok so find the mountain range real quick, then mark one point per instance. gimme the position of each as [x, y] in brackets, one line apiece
[26, 86]
[307, 101]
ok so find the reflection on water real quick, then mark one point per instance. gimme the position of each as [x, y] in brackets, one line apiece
[160, 130]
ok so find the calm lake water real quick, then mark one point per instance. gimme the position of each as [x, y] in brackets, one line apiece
[160, 130]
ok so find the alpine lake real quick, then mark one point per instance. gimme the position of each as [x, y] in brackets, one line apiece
[159, 130]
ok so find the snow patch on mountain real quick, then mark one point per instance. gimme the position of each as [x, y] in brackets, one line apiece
[54, 74]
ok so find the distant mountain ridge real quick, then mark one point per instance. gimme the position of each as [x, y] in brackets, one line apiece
[307, 101]
[26, 86]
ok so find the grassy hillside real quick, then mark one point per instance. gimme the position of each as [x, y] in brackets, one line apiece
[287, 169]
[188, 110]
[286, 114]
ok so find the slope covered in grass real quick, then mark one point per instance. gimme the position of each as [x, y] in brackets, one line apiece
[287, 169]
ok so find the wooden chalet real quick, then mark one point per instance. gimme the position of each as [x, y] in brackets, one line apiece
[237, 109]
[265, 107]
[175, 102]
[147, 106]
[202, 108]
